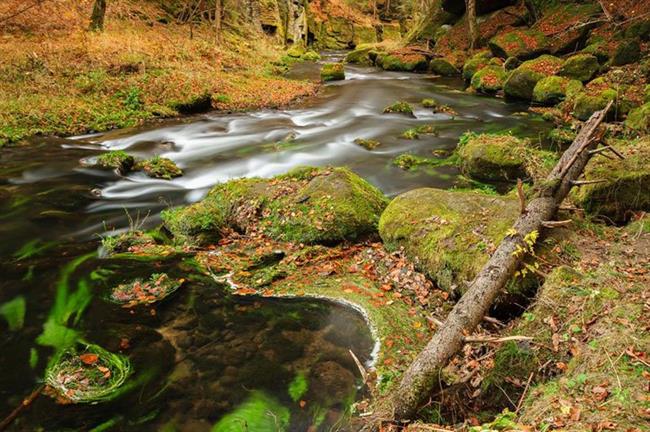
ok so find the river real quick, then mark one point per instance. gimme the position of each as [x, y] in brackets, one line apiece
[204, 353]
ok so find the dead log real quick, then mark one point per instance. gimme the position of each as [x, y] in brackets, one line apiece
[422, 375]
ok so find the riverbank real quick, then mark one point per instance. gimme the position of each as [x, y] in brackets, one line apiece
[60, 79]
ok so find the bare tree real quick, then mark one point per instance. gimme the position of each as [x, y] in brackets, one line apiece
[471, 22]
[217, 19]
[98, 15]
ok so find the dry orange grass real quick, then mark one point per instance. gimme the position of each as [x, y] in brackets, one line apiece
[58, 78]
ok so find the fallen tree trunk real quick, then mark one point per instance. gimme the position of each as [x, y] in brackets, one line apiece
[421, 376]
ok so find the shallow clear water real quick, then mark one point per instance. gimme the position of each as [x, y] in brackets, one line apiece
[204, 352]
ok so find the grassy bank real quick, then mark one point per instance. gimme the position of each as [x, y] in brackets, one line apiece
[60, 79]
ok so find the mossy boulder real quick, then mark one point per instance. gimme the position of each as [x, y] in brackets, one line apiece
[553, 89]
[596, 96]
[118, 160]
[492, 157]
[444, 67]
[511, 63]
[402, 61]
[390, 32]
[364, 34]
[489, 79]
[160, 167]
[296, 50]
[639, 119]
[448, 234]
[307, 205]
[332, 72]
[360, 55]
[581, 67]
[521, 82]
[474, 65]
[626, 183]
[310, 56]
[523, 44]
[561, 138]
[628, 51]
[368, 144]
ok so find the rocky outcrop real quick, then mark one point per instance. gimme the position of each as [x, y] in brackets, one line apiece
[554, 89]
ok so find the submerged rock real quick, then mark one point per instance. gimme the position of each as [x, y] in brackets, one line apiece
[522, 80]
[448, 234]
[87, 374]
[368, 144]
[307, 205]
[491, 157]
[523, 44]
[625, 183]
[332, 72]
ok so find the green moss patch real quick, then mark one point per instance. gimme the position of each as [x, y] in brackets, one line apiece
[368, 144]
[403, 60]
[444, 67]
[332, 72]
[554, 89]
[581, 67]
[639, 119]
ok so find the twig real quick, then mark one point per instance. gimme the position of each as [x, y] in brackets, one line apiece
[611, 363]
[587, 182]
[492, 339]
[606, 148]
[435, 321]
[523, 395]
[556, 224]
[362, 370]
[631, 354]
[20, 408]
[494, 321]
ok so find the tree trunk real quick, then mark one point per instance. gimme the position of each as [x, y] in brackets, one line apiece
[471, 22]
[422, 375]
[98, 15]
[217, 20]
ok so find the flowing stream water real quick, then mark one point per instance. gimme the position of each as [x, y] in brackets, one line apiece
[204, 353]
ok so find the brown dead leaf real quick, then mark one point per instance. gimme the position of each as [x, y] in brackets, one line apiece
[89, 358]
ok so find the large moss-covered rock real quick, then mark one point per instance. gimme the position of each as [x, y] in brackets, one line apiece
[360, 55]
[628, 51]
[364, 34]
[627, 183]
[523, 44]
[581, 67]
[522, 81]
[596, 96]
[449, 235]
[117, 159]
[402, 60]
[307, 205]
[553, 89]
[474, 65]
[489, 79]
[444, 67]
[391, 32]
[639, 119]
[492, 157]
[332, 72]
